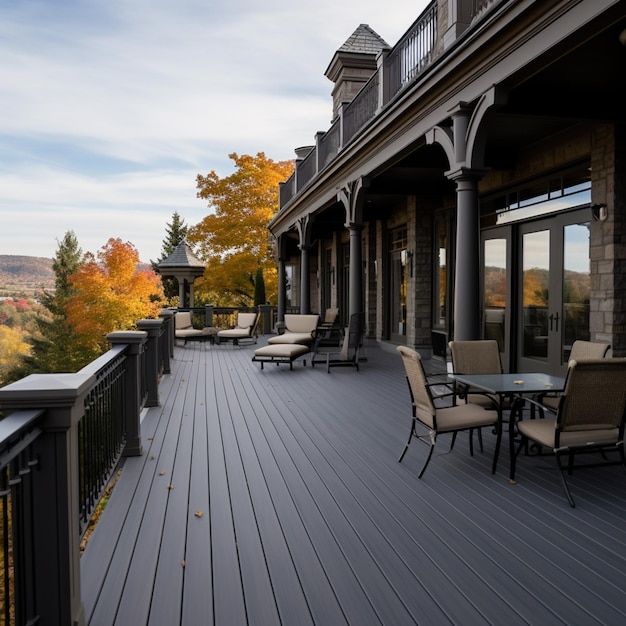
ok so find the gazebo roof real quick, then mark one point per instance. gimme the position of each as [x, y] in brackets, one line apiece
[181, 261]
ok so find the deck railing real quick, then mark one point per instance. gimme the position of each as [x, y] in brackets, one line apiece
[61, 439]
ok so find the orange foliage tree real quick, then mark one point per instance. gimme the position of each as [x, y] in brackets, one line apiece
[233, 240]
[111, 294]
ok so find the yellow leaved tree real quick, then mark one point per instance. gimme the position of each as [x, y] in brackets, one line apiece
[233, 240]
[111, 293]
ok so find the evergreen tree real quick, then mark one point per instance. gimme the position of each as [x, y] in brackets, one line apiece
[259, 287]
[55, 347]
[176, 232]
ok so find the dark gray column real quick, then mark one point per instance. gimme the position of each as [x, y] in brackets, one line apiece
[305, 287]
[355, 296]
[281, 244]
[467, 268]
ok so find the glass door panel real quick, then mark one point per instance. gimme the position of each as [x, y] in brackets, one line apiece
[555, 285]
[495, 290]
[576, 287]
[535, 294]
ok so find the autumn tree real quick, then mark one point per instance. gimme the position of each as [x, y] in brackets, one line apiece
[56, 347]
[175, 232]
[111, 294]
[233, 239]
[13, 347]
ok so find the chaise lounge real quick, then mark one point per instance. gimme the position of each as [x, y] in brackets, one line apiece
[299, 329]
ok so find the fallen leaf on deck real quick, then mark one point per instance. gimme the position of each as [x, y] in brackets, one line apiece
[170, 486]
[182, 563]
[198, 513]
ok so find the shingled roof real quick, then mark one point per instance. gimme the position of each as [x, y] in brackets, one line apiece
[364, 40]
[181, 257]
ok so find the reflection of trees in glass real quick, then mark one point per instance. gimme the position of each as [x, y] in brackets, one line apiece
[443, 281]
[495, 287]
[535, 287]
[576, 287]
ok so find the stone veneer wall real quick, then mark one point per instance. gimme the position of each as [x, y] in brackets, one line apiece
[608, 239]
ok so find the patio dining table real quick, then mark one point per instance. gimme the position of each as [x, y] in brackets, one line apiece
[516, 387]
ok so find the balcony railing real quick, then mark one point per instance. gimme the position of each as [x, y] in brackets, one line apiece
[398, 68]
[61, 439]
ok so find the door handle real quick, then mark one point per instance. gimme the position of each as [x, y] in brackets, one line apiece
[554, 322]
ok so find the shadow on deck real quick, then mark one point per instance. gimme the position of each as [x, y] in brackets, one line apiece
[275, 497]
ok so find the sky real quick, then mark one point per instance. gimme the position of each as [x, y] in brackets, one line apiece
[110, 108]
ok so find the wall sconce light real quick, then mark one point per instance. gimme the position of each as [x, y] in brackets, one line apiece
[600, 212]
[407, 260]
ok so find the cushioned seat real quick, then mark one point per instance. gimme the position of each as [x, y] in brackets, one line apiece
[280, 353]
[183, 328]
[245, 330]
[299, 329]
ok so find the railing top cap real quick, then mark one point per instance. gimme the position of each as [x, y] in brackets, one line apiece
[39, 389]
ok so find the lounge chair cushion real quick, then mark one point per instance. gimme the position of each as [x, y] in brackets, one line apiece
[280, 353]
[183, 327]
[299, 329]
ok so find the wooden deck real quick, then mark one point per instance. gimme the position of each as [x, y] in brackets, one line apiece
[275, 497]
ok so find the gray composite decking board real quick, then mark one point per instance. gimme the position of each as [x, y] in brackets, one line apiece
[286, 587]
[168, 582]
[140, 510]
[259, 594]
[103, 579]
[298, 475]
[277, 504]
[395, 565]
[228, 594]
[197, 600]
[302, 466]
[137, 592]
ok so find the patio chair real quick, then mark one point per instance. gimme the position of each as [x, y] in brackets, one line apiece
[581, 350]
[450, 419]
[244, 331]
[329, 333]
[352, 342]
[589, 418]
[478, 357]
[183, 328]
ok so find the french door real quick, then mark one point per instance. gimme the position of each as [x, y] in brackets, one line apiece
[553, 290]
[536, 288]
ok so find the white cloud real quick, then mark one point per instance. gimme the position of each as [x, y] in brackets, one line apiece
[108, 110]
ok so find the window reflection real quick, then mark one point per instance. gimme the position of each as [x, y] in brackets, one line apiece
[494, 297]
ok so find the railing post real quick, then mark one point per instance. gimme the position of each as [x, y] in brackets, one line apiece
[166, 342]
[135, 339]
[384, 86]
[208, 316]
[153, 328]
[56, 520]
[266, 311]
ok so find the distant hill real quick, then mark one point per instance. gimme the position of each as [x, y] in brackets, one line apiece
[25, 274]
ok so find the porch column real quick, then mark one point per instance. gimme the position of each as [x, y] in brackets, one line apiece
[355, 299]
[282, 280]
[305, 288]
[304, 232]
[467, 267]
